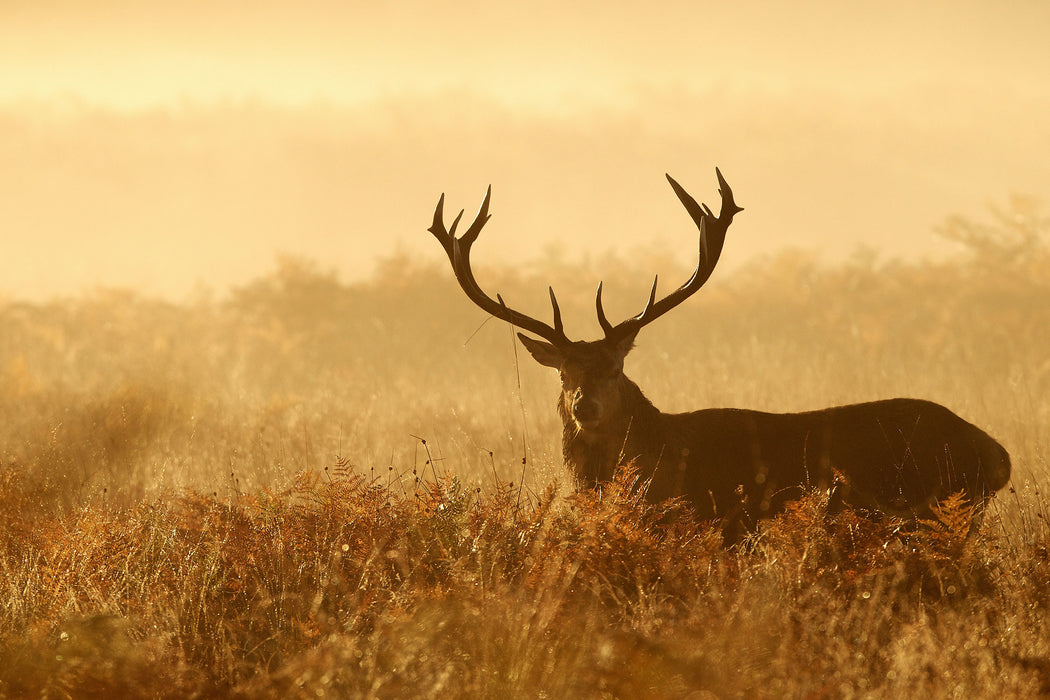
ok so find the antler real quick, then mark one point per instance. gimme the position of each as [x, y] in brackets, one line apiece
[712, 237]
[458, 250]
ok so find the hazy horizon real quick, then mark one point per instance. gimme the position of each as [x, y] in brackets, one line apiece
[164, 148]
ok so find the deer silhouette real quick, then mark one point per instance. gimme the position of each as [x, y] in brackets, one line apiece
[895, 457]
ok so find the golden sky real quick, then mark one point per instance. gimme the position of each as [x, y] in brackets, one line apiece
[162, 145]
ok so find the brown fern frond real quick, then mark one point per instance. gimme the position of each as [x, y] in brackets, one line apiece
[952, 515]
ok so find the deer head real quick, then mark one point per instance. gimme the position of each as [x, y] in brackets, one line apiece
[593, 382]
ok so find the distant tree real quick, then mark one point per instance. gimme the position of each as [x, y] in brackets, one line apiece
[1017, 232]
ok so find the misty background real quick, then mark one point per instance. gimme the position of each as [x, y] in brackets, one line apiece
[179, 148]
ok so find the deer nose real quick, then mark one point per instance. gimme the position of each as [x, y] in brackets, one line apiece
[584, 409]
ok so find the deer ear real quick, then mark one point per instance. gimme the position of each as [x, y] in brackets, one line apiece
[544, 353]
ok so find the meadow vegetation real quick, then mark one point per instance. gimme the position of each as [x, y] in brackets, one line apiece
[308, 487]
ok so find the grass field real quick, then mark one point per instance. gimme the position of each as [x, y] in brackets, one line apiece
[308, 488]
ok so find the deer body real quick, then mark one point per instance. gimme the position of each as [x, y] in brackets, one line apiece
[897, 456]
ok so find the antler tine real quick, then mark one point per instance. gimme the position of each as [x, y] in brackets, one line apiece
[471, 234]
[458, 250]
[729, 207]
[602, 320]
[438, 227]
[558, 327]
[652, 297]
[455, 223]
[446, 237]
[712, 237]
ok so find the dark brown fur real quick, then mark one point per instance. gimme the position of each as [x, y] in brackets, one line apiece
[896, 456]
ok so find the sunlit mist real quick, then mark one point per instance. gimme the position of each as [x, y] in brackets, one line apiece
[176, 147]
[268, 428]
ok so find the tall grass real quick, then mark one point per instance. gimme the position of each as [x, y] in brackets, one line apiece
[308, 486]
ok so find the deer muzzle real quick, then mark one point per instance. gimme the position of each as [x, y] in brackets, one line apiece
[585, 410]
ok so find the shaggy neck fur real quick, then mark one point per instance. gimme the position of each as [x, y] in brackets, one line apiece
[628, 432]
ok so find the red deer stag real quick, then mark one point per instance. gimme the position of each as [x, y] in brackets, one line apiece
[896, 456]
